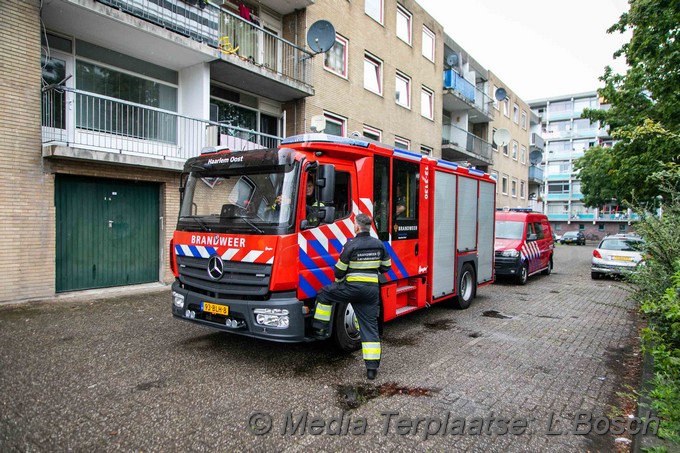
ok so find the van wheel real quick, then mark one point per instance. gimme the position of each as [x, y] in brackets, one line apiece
[467, 287]
[523, 274]
[346, 328]
[549, 269]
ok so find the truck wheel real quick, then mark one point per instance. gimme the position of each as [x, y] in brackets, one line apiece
[346, 328]
[523, 274]
[548, 270]
[467, 287]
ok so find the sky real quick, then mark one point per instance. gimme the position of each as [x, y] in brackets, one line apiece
[538, 48]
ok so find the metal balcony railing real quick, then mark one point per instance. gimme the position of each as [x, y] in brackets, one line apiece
[461, 138]
[468, 91]
[220, 29]
[535, 174]
[537, 142]
[85, 120]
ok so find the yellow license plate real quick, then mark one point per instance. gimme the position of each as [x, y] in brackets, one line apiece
[622, 258]
[215, 309]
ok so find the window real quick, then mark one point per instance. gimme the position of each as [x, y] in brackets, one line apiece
[523, 155]
[505, 150]
[522, 186]
[405, 179]
[513, 188]
[403, 90]
[381, 196]
[506, 108]
[402, 143]
[495, 101]
[427, 103]
[335, 125]
[428, 43]
[372, 133]
[336, 58]
[494, 175]
[425, 150]
[559, 188]
[600, 227]
[514, 150]
[373, 74]
[515, 113]
[504, 185]
[374, 8]
[403, 25]
[524, 120]
[494, 146]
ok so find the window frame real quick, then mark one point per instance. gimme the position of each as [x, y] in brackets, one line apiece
[523, 120]
[506, 108]
[515, 113]
[345, 43]
[398, 141]
[373, 131]
[403, 12]
[378, 64]
[381, 12]
[405, 78]
[513, 187]
[430, 95]
[426, 150]
[504, 184]
[523, 154]
[515, 149]
[336, 119]
[430, 34]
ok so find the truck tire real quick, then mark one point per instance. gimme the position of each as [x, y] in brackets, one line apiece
[548, 269]
[467, 287]
[346, 328]
[523, 274]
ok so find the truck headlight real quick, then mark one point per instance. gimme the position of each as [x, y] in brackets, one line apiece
[272, 317]
[510, 253]
[178, 299]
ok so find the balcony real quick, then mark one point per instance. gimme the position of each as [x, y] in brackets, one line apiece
[460, 145]
[176, 35]
[537, 142]
[460, 94]
[85, 126]
[536, 175]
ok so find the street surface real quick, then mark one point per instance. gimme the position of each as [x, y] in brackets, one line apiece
[121, 374]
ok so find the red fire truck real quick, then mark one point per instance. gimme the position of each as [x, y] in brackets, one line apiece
[260, 231]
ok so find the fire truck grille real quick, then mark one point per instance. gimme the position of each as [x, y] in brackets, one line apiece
[238, 279]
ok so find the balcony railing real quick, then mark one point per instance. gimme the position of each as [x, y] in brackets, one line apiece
[220, 29]
[467, 90]
[453, 135]
[535, 174]
[85, 120]
[537, 142]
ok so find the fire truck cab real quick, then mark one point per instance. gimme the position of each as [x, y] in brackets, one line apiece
[260, 231]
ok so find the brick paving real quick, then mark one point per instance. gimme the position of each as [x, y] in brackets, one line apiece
[120, 373]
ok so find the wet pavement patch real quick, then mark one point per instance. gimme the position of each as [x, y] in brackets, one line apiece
[150, 385]
[495, 314]
[440, 324]
[475, 335]
[400, 341]
[353, 396]
[548, 316]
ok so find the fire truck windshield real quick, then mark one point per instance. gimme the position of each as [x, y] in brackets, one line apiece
[257, 202]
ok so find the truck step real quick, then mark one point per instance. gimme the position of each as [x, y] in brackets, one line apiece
[405, 289]
[406, 309]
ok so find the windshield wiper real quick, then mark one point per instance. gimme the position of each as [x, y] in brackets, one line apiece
[198, 220]
[252, 224]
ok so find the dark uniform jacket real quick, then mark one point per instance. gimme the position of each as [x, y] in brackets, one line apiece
[362, 259]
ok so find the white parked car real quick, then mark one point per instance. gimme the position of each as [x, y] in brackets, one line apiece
[616, 255]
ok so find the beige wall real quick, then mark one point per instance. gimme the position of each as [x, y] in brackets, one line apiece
[506, 165]
[348, 97]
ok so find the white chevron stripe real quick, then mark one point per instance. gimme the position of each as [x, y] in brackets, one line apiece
[355, 208]
[323, 240]
[204, 252]
[252, 256]
[368, 204]
[302, 242]
[229, 254]
[186, 250]
[349, 224]
[337, 233]
[270, 260]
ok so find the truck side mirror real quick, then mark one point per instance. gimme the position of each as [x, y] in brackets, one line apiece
[325, 180]
[532, 237]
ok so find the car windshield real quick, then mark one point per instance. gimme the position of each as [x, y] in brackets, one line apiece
[254, 203]
[624, 245]
[570, 234]
[506, 229]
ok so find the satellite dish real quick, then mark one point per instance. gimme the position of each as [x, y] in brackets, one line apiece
[321, 36]
[536, 157]
[318, 123]
[500, 94]
[452, 60]
[501, 137]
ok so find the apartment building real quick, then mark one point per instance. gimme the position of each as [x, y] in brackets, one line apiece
[567, 136]
[510, 161]
[382, 78]
[108, 99]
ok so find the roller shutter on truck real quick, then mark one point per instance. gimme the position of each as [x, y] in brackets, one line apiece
[487, 195]
[443, 276]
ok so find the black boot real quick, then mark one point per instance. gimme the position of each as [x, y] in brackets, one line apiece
[371, 373]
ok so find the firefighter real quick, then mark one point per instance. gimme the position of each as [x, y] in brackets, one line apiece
[356, 282]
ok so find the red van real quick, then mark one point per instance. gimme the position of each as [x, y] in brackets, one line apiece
[524, 243]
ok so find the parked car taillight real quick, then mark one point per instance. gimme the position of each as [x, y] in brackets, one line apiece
[596, 254]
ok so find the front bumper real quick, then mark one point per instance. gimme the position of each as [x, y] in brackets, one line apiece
[508, 265]
[242, 315]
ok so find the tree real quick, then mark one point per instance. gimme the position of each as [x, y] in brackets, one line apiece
[644, 113]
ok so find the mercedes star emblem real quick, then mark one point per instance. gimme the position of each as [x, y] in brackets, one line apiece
[215, 267]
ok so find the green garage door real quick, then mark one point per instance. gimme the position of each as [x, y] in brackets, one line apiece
[107, 232]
